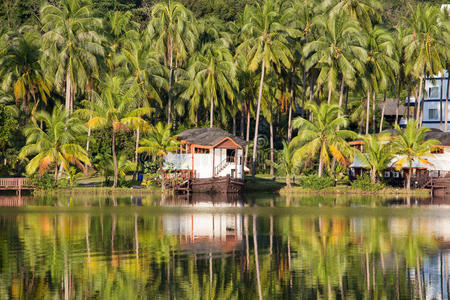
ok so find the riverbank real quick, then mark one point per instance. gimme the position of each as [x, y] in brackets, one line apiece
[261, 184]
[100, 191]
[348, 190]
[265, 184]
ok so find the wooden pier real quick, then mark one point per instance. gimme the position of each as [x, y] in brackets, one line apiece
[15, 184]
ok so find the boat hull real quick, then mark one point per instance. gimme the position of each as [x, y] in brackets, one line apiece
[221, 185]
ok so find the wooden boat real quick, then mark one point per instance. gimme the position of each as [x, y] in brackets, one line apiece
[217, 185]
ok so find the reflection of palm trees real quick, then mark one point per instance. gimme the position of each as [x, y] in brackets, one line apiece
[255, 245]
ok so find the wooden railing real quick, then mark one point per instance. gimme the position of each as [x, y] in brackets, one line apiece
[15, 183]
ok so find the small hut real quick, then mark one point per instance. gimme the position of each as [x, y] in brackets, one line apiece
[212, 157]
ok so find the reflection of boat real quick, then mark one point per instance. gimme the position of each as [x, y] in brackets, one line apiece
[204, 232]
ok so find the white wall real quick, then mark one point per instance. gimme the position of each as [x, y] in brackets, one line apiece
[203, 163]
[178, 161]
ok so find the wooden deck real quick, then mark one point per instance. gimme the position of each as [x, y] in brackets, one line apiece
[15, 184]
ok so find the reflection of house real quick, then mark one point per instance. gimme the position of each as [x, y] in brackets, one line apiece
[440, 163]
[204, 232]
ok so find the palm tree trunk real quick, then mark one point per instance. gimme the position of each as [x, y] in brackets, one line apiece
[290, 123]
[247, 136]
[329, 96]
[258, 110]
[367, 111]
[320, 165]
[382, 111]
[169, 102]
[211, 113]
[398, 101]
[440, 102]
[234, 125]
[271, 139]
[288, 180]
[292, 102]
[446, 99]
[408, 178]
[418, 101]
[374, 103]
[373, 176]
[68, 91]
[116, 172]
[409, 102]
[341, 93]
[242, 120]
[361, 122]
[138, 134]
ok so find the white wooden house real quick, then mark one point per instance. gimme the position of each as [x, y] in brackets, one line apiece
[439, 162]
[208, 153]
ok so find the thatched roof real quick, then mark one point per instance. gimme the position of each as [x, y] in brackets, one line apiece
[208, 136]
[391, 107]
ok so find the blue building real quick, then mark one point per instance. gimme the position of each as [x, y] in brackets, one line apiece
[433, 104]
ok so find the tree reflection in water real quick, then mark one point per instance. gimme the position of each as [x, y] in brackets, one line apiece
[205, 250]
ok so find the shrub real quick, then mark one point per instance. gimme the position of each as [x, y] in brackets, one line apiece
[315, 182]
[364, 183]
[44, 182]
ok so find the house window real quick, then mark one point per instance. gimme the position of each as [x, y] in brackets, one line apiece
[201, 151]
[433, 92]
[396, 174]
[433, 114]
[437, 150]
[387, 174]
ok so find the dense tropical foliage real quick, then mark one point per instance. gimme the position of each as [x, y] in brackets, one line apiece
[309, 71]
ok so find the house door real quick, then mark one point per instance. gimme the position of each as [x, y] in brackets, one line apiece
[233, 171]
[231, 155]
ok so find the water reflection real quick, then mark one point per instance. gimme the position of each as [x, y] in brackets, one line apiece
[214, 254]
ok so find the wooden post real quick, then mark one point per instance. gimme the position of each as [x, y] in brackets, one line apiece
[235, 163]
[242, 165]
[213, 166]
[192, 151]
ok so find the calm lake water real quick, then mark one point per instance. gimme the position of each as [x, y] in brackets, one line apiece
[259, 246]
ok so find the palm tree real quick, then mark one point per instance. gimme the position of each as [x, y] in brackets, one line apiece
[361, 10]
[173, 28]
[264, 44]
[377, 154]
[380, 64]
[144, 70]
[159, 141]
[410, 145]
[338, 52]
[213, 74]
[115, 109]
[321, 135]
[424, 46]
[21, 62]
[71, 44]
[55, 146]
[285, 162]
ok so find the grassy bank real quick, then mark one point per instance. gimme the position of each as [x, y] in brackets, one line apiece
[266, 184]
[99, 191]
[347, 190]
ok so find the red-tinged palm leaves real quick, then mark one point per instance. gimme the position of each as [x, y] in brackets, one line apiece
[322, 135]
[56, 145]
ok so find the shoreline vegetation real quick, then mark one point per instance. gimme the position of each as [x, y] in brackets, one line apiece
[88, 89]
[261, 184]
